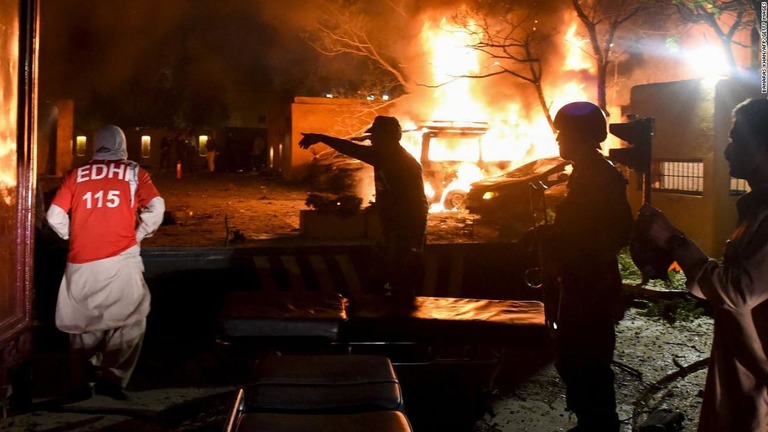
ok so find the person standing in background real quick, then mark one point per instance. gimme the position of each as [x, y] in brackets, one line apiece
[257, 153]
[165, 155]
[210, 152]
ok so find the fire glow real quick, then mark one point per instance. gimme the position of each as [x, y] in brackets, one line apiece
[515, 134]
[8, 116]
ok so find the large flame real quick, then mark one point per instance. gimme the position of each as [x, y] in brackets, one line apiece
[450, 59]
[515, 133]
[575, 58]
[8, 115]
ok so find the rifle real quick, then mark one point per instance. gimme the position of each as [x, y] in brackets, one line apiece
[652, 261]
[538, 277]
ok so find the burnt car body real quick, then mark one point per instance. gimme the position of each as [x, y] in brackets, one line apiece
[334, 172]
[441, 170]
[506, 199]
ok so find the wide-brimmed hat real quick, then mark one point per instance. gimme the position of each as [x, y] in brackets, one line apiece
[385, 125]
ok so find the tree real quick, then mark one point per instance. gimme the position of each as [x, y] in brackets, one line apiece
[344, 29]
[725, 17]
[367, 50]
[756, 9]
[512, 42]
[602, 19]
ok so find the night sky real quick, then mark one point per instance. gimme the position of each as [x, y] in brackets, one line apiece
[144, 55]
[144, 61]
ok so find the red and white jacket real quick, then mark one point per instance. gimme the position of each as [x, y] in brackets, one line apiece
[96, 208]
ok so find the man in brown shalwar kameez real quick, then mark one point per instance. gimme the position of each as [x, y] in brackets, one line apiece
[736, 391]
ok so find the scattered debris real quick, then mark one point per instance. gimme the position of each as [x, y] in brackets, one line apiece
[344, 205]
[682, 309]
[663, 420]
[237, 237]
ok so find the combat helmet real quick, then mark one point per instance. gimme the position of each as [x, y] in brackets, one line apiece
[583, 119]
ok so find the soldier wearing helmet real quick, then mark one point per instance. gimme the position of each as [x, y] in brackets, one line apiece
[591, 226]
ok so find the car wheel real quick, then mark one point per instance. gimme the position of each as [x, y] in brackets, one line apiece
[455, 200]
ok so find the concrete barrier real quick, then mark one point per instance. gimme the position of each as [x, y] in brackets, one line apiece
[471, 270]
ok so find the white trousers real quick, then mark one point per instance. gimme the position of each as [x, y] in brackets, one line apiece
[114, 352]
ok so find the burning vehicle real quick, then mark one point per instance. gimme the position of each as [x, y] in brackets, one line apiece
[447, 151]
[463, 131]
[506, 199]
[450, 154]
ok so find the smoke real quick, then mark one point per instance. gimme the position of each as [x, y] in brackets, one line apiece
[548, 18]
[110, 55]
[90, 46]
[115, 57]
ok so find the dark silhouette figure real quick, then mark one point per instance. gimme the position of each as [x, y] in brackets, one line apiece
[165, 155]
[400, 202]
[736, 390]
[180, 150]
[591, 225]
[211, 150]
[230, 153]
[258, 149]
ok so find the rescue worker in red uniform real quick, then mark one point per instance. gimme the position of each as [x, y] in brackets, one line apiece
[736, 389]
[400, 203]
[103, 300]
[591, 226]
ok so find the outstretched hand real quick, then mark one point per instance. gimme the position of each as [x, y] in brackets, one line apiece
[308, 140]
[652, 223]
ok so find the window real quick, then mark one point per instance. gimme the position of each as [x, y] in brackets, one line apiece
[739, 186]
[685, 177]
[145, 142]
[202, 141]
[80, 142]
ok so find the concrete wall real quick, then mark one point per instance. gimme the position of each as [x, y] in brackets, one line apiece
[337, 117]
[693, 118]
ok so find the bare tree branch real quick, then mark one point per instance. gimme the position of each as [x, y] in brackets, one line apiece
[345, 30]
[602, 21]
[511, 41]
[399, 7]
[725, 17]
